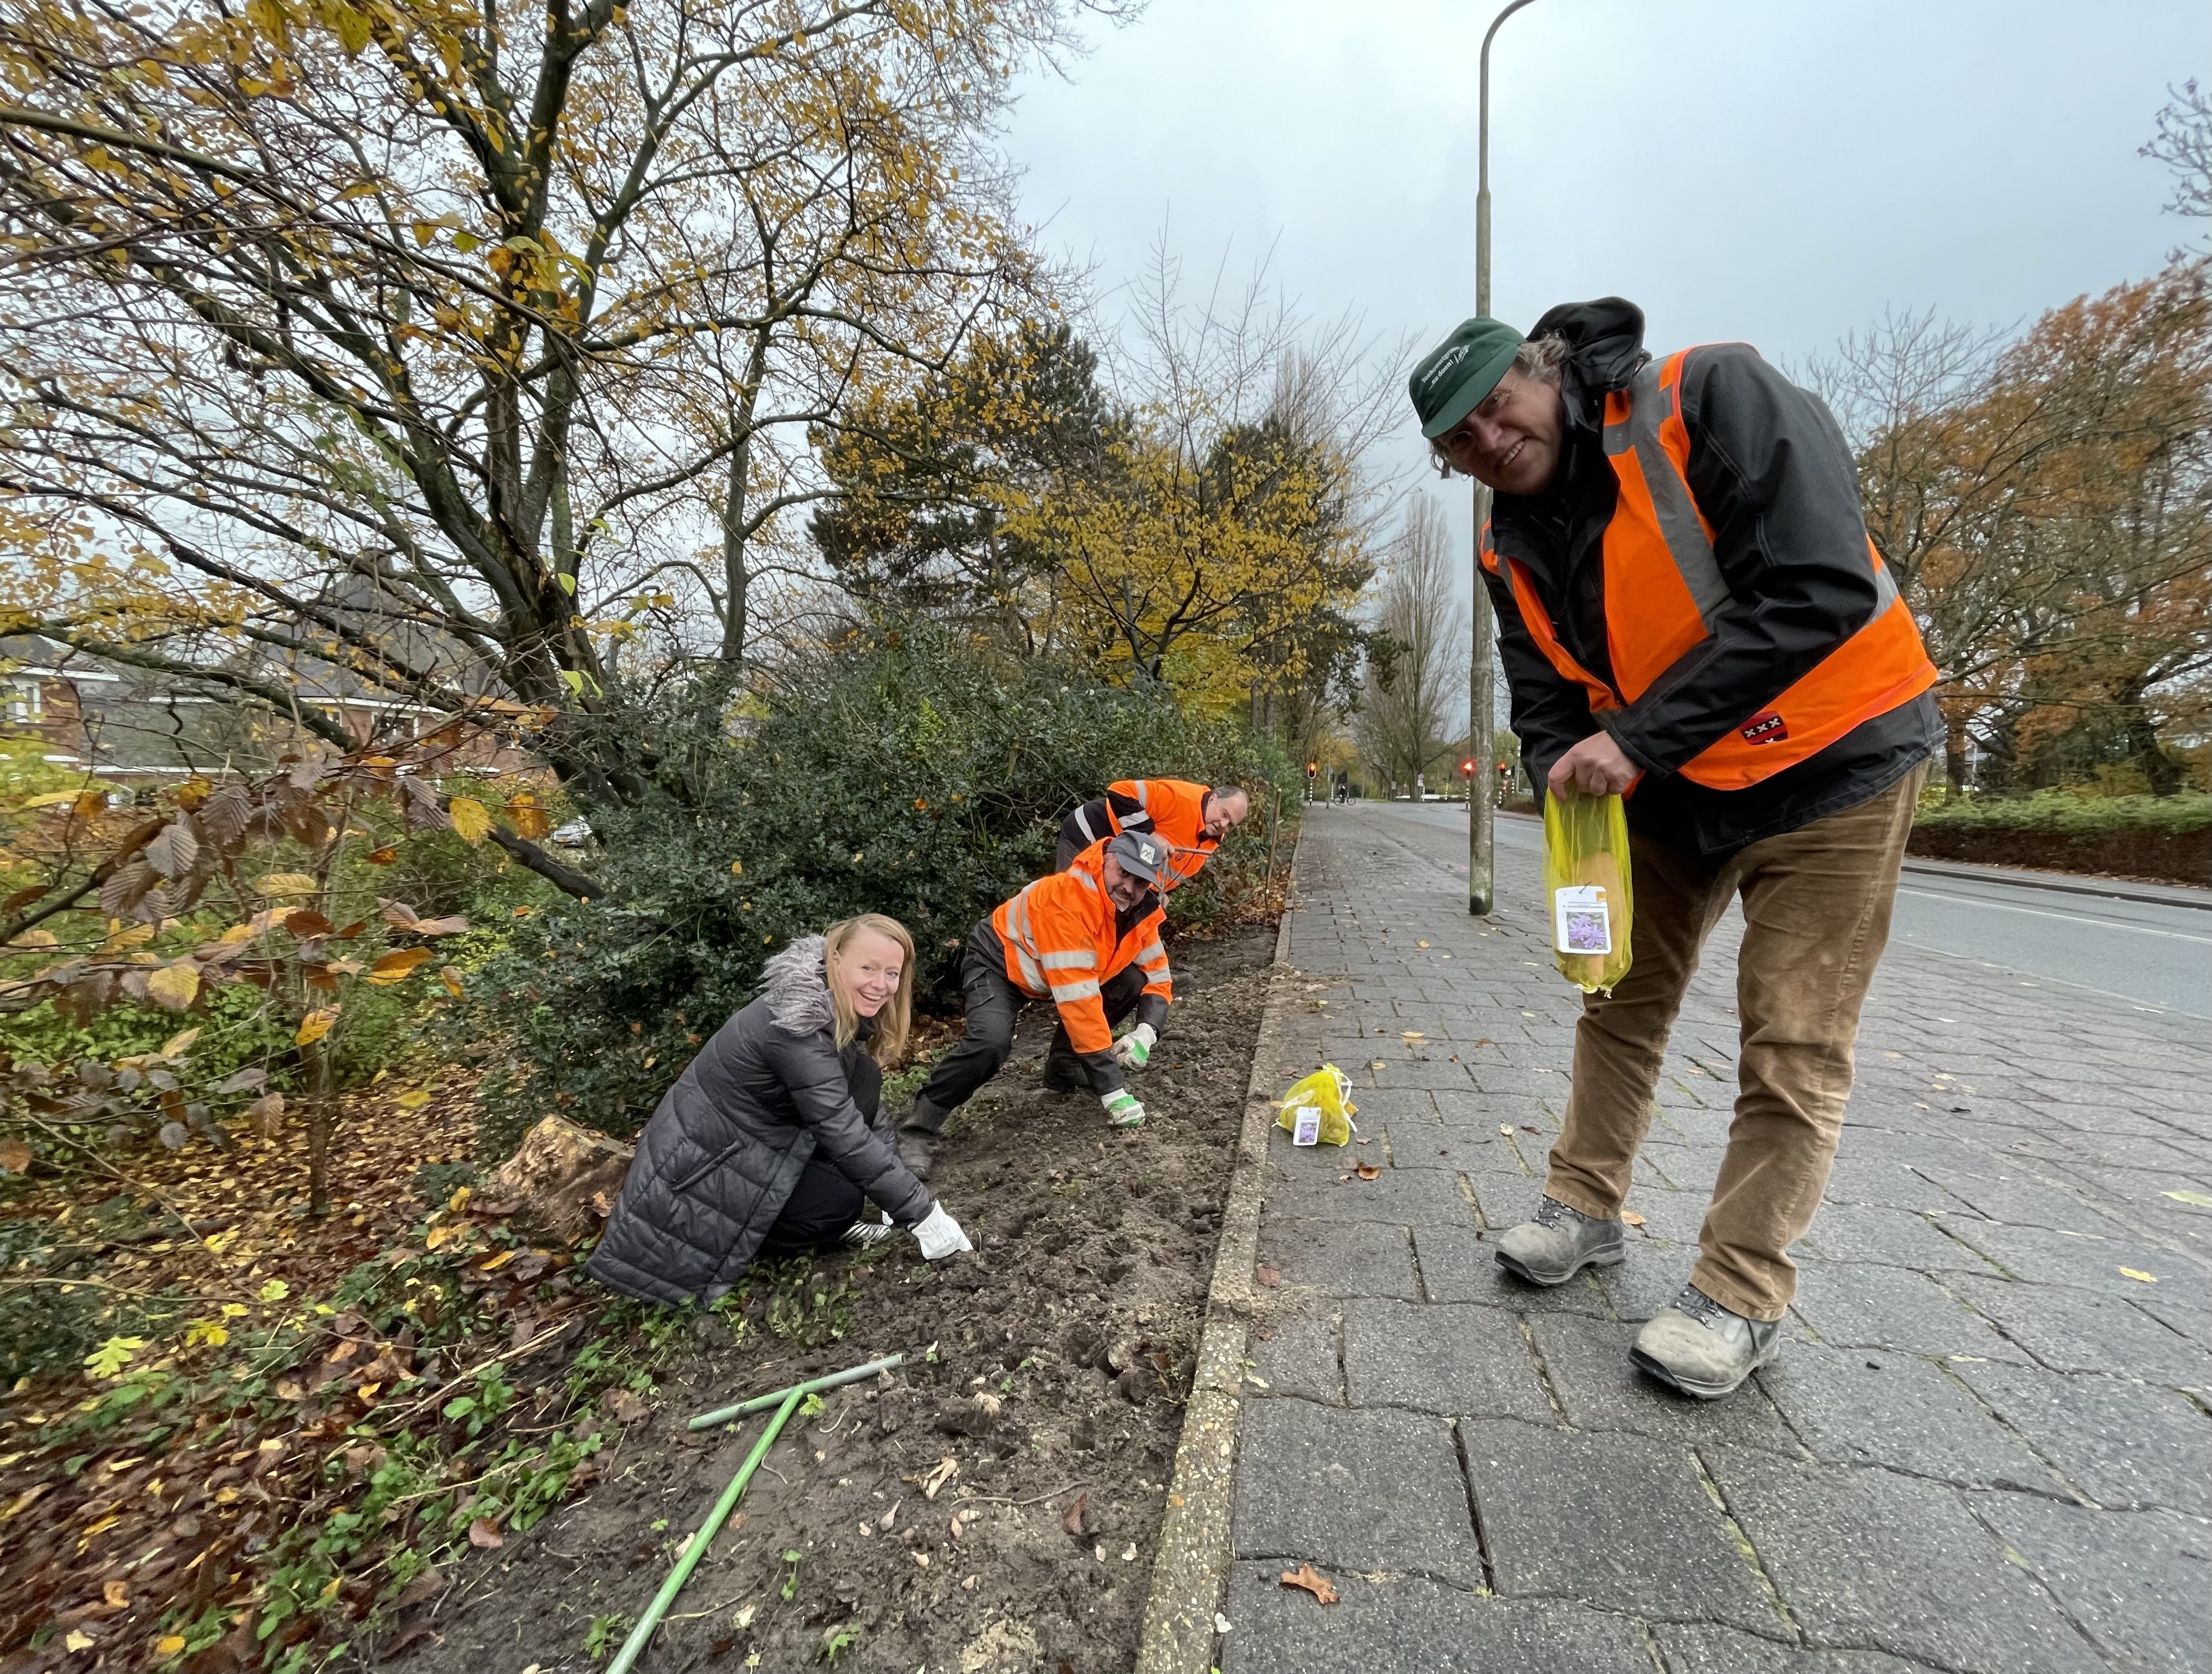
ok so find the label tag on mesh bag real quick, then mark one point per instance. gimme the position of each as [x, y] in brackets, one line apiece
[1581, 921]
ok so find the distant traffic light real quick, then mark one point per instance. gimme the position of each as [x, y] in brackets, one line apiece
[1467, 766]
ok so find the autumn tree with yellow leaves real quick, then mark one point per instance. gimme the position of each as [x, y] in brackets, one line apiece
[455, 348]
[1190, 509]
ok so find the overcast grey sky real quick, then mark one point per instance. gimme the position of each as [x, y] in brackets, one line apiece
[1775, 172]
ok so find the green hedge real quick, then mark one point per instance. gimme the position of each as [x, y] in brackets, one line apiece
[900, 773]
[2063, 812]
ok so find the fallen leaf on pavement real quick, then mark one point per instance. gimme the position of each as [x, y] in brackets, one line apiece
[483, 1533]
[1072, 1519]
[2196, 1198]
[1270, 1277]
[1412, 1035]
[2139, 1276]
[1506, 1128]
[1305, 1575]
[1630, 1217]
[1368, 1171]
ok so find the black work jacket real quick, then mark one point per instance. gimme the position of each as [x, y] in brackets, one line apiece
[720, 1157]
[1772, 472]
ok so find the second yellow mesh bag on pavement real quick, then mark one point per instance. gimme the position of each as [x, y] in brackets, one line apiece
[1319, 1109]
[1586, 893]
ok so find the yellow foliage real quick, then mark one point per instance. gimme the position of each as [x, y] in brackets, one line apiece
[471, 819]
[397, 966]
[174, 987]
[528, 816]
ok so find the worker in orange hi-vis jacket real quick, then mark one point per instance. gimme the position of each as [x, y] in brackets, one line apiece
[1088, 940]
[1193, 818]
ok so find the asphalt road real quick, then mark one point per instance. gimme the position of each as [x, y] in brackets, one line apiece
[2152, 954]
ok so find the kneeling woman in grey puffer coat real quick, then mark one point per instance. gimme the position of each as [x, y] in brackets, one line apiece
[772, 1134]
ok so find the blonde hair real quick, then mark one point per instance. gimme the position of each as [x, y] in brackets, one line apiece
[897, 1014]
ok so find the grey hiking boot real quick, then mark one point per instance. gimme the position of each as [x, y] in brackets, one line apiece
[1559, 1243]
[1700, 1347]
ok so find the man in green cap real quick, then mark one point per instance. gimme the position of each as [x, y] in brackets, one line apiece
[1691, 615]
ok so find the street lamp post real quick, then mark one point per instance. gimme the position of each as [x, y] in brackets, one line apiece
[1481, 826]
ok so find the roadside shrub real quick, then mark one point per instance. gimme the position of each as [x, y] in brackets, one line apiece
[2166, 839]
[2065, 812]
[897, 773]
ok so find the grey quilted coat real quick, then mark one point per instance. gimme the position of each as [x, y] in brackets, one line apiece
[721, 1155]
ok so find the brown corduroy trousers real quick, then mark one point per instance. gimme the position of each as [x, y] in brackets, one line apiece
[1816, 907]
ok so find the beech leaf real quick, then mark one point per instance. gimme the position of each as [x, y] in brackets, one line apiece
[471, 819]
[174, 987]
[397, 966]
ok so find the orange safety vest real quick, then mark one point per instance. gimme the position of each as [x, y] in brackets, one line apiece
[1177, 809]
[1060, 946]
[1664, 590]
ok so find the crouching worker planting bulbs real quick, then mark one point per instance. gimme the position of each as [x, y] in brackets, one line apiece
[1087, 939]
[774, 1134]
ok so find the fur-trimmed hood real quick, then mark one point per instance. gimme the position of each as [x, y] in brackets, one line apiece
[798, 989]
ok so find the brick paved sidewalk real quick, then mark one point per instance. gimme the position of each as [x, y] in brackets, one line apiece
[1985, 1447]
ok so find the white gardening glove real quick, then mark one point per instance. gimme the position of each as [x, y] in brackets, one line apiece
[1134, 1050]
[940, 1234]
[1122, 1109]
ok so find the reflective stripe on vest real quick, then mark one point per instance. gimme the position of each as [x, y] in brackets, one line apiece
[1665, 592]
[1024, 945]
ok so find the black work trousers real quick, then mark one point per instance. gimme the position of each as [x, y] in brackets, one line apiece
[993, 1005]
[824, 1203]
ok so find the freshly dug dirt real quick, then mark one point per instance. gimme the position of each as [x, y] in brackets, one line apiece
[1041, 1397]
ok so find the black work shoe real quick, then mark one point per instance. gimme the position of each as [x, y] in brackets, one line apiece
[1559, 1243]
[918, 1151]
[1696, 1345]
[1066, 1075]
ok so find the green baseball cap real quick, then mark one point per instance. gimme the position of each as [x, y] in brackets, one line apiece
[1454, 376]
